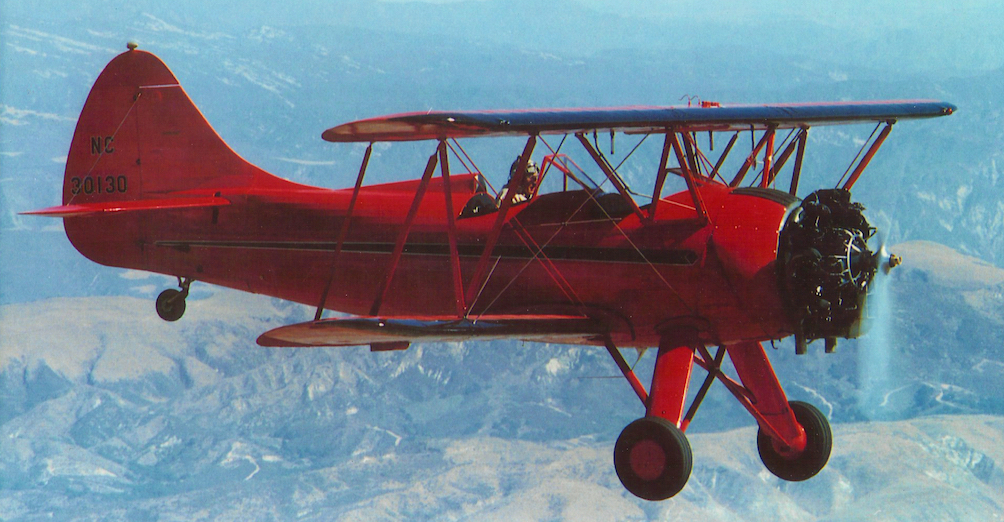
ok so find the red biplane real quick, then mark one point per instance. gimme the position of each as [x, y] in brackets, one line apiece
[727, 262]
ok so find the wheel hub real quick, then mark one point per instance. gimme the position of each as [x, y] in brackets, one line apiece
[797, 447]
[648, 460]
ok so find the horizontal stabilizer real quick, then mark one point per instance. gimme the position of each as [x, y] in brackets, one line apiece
[356, 331]
[85, 209]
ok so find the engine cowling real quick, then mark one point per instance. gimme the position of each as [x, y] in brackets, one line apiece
[825, 267]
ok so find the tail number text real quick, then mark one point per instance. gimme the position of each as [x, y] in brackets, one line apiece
[99, 185]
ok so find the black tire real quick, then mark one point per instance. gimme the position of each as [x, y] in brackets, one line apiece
[170, 305]
[818, 443]
[652, 458]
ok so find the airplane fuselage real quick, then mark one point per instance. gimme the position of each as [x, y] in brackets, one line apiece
[558, 253]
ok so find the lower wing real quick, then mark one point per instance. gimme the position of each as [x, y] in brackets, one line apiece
[396, 333]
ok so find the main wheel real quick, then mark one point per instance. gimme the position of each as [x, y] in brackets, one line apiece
[170, 305]
[818, 442]
[653, 458]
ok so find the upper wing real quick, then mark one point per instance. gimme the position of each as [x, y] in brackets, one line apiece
[356, 331]
[441, 125]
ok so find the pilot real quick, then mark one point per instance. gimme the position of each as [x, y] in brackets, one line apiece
[525, 190]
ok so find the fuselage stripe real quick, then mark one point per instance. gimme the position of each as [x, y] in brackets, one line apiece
[564, 253]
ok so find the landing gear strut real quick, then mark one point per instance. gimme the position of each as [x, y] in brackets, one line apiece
[652, 456]
[171, 302]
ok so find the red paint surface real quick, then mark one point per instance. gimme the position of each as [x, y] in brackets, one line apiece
[668, 393]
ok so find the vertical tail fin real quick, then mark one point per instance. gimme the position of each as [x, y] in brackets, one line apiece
[141, 145]
[140, 137]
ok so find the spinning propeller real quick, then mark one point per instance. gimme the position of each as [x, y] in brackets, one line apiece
[876, 348]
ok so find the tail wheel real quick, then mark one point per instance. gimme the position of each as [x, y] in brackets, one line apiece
[653, 458]
[818, 442]
[171, 304]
